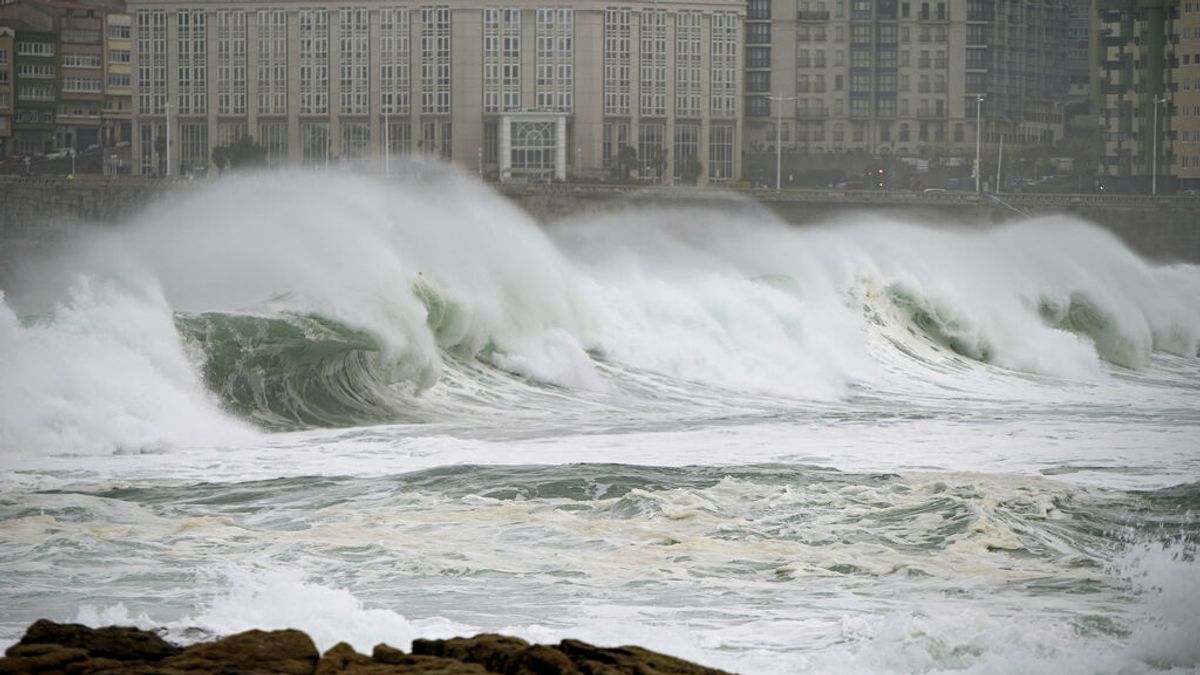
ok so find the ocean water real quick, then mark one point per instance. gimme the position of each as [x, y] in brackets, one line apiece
[380, 411]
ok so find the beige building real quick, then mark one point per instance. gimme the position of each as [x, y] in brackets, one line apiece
[904, 77]
[517, 91]
[118, 79]
[1185, 107]
[7, 57]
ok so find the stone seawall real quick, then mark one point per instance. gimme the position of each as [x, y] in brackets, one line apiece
[34, 211]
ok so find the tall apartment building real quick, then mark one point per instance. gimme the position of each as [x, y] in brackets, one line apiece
[7, 45]
[81, 38]
[58, 74]
[903, 77]
[35, 85]
[1136, 90]
[518, 89]
[118, 78]
[1185, 120]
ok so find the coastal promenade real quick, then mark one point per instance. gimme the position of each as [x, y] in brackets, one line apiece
[40, 209]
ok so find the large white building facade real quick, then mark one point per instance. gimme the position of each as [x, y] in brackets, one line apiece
[523, 90]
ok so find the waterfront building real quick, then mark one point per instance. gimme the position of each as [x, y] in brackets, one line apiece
[7, 57]
[81, 38]
[1185, 107]
[57, 74]
[903, 77]
[117, 113]
[1136, 91]
[35, 87]
[521, 90]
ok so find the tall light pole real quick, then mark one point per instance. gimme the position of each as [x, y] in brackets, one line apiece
[387, 145]
[167, 150]
[779, 135]
[1158, 100]
[978, 139]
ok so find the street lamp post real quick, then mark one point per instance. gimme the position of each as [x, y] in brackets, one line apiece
[978, 139]
[1158, 100]
[779, 135]
[167, 150]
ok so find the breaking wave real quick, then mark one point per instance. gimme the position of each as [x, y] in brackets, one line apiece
[297, 300]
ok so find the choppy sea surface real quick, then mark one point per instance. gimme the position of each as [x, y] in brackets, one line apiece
[377, 412]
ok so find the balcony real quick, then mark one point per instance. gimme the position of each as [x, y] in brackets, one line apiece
[812, 16]
[811, 112]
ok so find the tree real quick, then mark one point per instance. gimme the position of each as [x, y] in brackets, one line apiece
[243, 152]
[627, 161]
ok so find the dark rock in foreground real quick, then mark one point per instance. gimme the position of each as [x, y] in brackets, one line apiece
[50, 647]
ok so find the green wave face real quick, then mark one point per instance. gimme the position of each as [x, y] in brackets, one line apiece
[1080, 315]
[291, 370]
[940, 324]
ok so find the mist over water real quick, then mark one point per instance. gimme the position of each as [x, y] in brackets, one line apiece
[872, 446]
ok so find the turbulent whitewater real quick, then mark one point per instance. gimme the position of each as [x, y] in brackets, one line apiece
[381, 411]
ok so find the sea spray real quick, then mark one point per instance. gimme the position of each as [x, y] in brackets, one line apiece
[360, 302]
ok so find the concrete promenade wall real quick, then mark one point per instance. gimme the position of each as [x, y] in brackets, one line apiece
[34, 211]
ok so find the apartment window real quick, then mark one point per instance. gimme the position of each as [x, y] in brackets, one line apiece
[399, 137]
[354, 58]
[81, 85]
[758, 33]
[192, 61]
[393, 60]
[119, 32]
[151, 46]
[36, 71]
[81, 61]
[501, 59]
[758, 10]
[533, 147]
[35, 92]
[760, 81]
[3, 56]
[193, 146]
[231, 62]
[724, 87]
[119, 56]
[435, 61]
[651, 150]
[274, 139]
[653, 81]
[687, 147]
[555, 59]
[356, 138]
[760, 57]
[80, 36]
[617, 44]
[35, 49]
[688, 63]
[314, 62]
[272, 41]
[720, 152]
[314, 142]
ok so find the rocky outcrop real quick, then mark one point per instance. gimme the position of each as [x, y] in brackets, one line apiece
[50, 647]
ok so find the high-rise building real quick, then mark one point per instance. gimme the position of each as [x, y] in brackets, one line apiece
[81, 38]
[118, 78]
[521, 90]
[58, 73]
[7, 45]
[1185, 122]
[1136, 90]
[904, 77]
